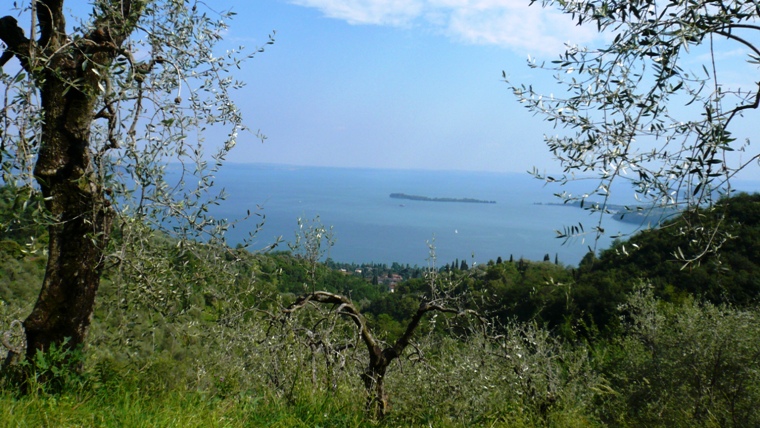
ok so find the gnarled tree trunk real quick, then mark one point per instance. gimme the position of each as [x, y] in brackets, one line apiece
[70, 76]
[82, 222]
[380, 358]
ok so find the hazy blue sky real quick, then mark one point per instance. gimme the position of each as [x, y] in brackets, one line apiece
[404, 83]
[396, 83]
[410, 83]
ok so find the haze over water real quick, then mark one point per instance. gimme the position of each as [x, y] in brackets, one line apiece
[369, 226]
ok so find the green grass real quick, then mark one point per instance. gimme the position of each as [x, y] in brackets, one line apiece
[133, 408]
[125, 404]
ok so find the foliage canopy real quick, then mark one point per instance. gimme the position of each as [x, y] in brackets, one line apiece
[637, 112]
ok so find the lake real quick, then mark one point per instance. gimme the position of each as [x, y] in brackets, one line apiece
[369, 226]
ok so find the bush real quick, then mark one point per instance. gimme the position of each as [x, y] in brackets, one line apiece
[685, 365]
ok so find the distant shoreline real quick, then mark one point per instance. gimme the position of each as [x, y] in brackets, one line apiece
[428, 199]
[627, 214]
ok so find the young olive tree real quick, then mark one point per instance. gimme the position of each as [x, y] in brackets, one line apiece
[93, 113]
[655, 106]
[441, 297]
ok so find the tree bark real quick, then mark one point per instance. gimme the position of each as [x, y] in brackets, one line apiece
[74, 199]
[82, 222]
[379, 358]
[69, 76]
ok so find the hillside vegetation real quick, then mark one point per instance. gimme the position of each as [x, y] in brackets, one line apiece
[627, 338]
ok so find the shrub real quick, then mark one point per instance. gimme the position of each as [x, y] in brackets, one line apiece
[686, 365]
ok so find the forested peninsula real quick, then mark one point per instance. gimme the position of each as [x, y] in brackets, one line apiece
[428, 199]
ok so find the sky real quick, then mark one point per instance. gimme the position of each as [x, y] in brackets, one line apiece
[396, 83]
[408, 84]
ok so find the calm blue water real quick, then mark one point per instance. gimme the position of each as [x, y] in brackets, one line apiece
[369, 226]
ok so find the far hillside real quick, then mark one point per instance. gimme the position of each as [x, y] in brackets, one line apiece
[729, 275]
[726, 276]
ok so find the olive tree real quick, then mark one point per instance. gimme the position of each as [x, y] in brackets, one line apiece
[379, 355]
[322, 334]
[654, 106]
[97, 116]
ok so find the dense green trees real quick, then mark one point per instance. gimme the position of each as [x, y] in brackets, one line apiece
[725, 277]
